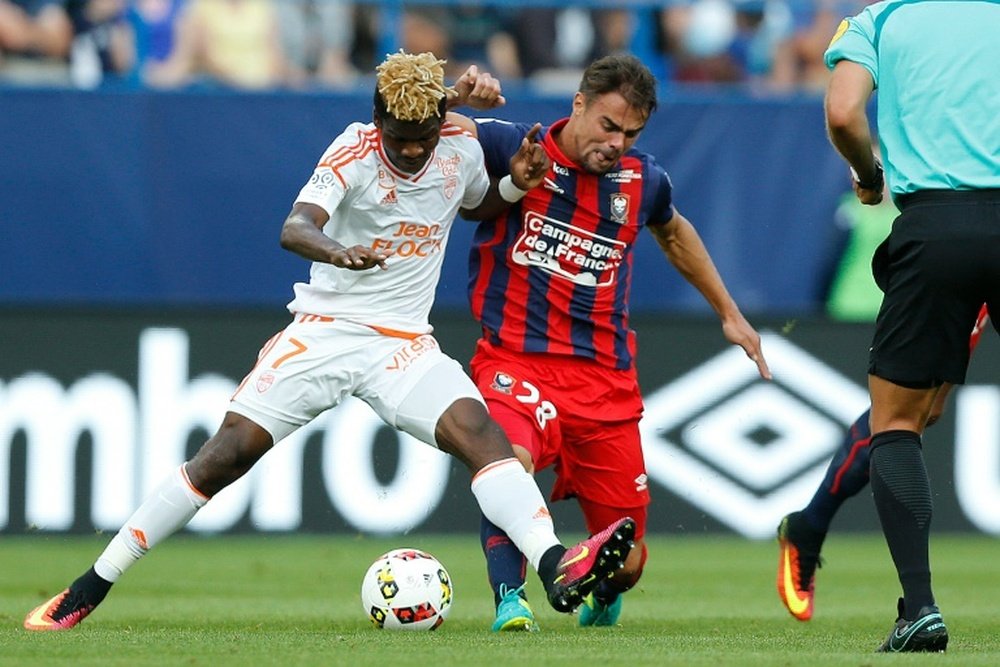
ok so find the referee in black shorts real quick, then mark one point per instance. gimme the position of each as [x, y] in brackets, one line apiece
[935, 67]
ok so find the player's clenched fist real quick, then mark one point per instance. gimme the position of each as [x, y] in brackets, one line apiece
[479, 90]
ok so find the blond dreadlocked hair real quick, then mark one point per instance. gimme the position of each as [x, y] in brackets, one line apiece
[412, 85]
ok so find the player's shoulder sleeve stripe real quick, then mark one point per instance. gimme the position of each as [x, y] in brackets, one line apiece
[362, 142]
[344, 155]
[450, 130]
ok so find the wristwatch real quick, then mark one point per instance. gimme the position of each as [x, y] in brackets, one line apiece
[877, 182]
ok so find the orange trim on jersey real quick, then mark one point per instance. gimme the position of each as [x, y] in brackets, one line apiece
[394, 333]
[342, 158]
[306, 317]
[303, 318]
[346, 161]
[365, 138]
[402, 175]
[493, 466]
[187, 480]
[452, 130]
[346, 154]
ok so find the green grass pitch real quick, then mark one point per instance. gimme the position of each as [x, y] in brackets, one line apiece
[294, 600]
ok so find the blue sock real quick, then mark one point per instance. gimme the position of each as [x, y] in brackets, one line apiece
[845, 477]
[505, 564]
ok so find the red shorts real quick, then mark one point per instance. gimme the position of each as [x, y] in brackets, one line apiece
[576, 415]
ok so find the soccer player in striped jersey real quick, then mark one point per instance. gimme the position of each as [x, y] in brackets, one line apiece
[374, 218]
[801, 534]
[549, 283]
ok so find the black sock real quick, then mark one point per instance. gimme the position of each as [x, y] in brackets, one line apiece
[547, 565]
[91, 586]
[902, 496]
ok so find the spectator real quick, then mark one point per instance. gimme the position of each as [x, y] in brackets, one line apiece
[534, 32]
[35, 38]
[234, 43]
[464, 35]
[425, 29]
[154, 34]
[761, 27]
[612, 31]
[798, 60]
[102, 47]
[705, 30]
[316, 37]
[723, 41]
[484, 36]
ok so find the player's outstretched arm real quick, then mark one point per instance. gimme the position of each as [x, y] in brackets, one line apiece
[303, 234]
[528, 167]
[684, 249]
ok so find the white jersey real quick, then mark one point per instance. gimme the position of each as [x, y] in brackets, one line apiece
[409, 216]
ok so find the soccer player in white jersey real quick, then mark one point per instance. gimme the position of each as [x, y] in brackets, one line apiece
[374, 219]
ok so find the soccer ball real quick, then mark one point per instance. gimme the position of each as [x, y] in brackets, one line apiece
[406, 589]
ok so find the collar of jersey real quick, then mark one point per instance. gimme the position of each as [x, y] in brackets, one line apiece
[552, 148]
[395, 171]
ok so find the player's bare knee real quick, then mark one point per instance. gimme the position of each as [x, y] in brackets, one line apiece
[227, 455]
[467, 431]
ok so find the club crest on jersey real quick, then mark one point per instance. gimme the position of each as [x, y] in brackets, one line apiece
[386, 181]
[619, 207]
[503, 383]
[449, 169]
[264, 381]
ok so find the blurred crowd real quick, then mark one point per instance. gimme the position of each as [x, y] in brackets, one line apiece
[765, 45]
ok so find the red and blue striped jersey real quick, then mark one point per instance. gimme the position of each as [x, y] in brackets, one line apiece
[553, 274]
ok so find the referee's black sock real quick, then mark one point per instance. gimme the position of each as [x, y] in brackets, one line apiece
[903, 499]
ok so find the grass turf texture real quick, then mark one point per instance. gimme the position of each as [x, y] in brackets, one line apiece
[294, 600]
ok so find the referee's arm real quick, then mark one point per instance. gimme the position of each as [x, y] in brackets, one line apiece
[845, 105]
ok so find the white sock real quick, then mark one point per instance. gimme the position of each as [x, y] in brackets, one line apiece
[162, 514]
[509, 497]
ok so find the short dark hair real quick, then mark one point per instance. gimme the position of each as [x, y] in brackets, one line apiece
[624, 74]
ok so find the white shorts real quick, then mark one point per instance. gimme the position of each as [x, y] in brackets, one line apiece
[312, 365]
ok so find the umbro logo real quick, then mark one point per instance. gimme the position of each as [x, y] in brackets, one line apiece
[742, 449]
[641, 482]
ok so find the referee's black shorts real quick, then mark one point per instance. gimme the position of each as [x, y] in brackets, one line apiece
[938, 266]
